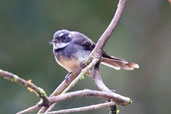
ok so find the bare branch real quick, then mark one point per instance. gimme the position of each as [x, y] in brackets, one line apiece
[65, 86]
[30, 109]
[118, 99]
[97, 51]
[30, 86]
[98, 80]
[85, 70]
[61, 88]
[81, 109]
[100, 84]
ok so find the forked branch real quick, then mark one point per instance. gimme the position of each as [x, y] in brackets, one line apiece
[48, 103]
[97, 51]
[28, 84]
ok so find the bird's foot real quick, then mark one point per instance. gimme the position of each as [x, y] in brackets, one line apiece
[66, 77]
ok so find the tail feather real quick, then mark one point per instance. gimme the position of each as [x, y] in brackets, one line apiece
[118, 63]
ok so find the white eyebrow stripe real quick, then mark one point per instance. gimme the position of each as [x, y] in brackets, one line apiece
[61, 34]
[60, 45]
[70, 35]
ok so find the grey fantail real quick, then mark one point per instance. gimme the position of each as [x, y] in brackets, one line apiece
[72, 48]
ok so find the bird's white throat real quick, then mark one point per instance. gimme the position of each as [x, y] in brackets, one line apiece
[60, 45]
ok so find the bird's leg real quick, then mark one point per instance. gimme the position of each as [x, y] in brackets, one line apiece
[66, 77]
[83, 64]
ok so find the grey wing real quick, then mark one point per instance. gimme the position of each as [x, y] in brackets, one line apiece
[82, 40]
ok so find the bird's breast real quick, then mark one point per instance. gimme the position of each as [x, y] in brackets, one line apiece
[70, 64]
[73, 62]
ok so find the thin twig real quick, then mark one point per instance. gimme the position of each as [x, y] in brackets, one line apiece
[98, 80]
[65, 86]
[85, 70]
[100, 84]
[30, 109]
[118, 99]
[61, 88]
[97, 51]
[80, 109]
[30, 86]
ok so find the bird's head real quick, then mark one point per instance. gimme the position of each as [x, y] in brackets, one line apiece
[61, 39]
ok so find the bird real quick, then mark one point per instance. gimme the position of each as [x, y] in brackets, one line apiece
[71, 49]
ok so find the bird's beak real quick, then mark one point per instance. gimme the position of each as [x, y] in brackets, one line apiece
[53, 41]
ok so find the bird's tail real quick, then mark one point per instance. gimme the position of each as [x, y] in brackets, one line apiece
[118, 63]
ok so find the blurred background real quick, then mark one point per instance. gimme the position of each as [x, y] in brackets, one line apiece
[142, 36]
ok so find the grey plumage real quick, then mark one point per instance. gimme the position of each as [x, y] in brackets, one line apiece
[70, 48]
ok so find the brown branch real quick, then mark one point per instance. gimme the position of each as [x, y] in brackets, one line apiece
[30, 109]
[30, 86]
[94, 56]
[98, 80]
[61, 88]
[97, 51]
[118, 99]
[81, 109]
[100, 84]
[94, 61]
[83, 72]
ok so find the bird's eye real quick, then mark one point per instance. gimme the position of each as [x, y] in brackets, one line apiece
[63, 36]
